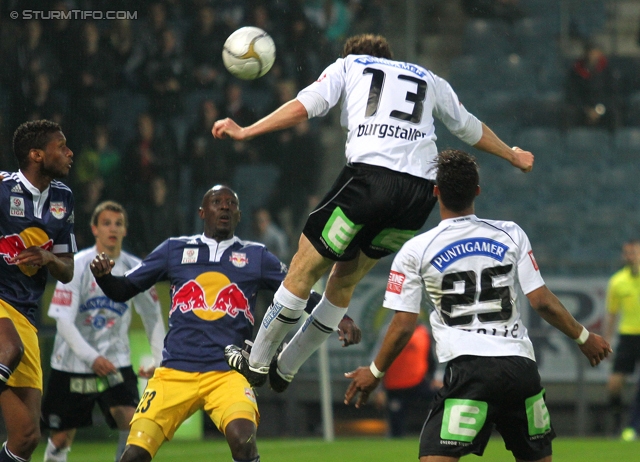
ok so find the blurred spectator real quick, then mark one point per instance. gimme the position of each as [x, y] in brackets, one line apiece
[33, 57]
[90, 194]
[166, 72]
[211, 161]
[41, 104]
[333, 18]
[303, 56]
[265, 231]
[151, 28]
[100, 160]
[409, 384]
[591, 96]
[155, 220]
[369, 16]
[62, 34]
[93, 75]
[150, 153]
[235, 107]
[232, 12]
[128, 54]
[509, 10]
[204, 45]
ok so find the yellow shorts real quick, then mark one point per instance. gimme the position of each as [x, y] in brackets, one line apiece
[171, 396]
[29, 371]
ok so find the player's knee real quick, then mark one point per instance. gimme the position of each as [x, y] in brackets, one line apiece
[11, 353]
[26, 443]
[145, 438]
[241, 437]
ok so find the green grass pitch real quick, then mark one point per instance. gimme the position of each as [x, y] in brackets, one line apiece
[351, 449]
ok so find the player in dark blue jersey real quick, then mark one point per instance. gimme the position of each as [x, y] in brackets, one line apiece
[36, 239]
[214, 279]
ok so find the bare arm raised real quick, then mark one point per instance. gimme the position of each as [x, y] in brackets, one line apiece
[287, 115]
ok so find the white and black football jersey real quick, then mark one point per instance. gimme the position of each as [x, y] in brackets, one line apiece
[470, 270]
[101, 324]
[388, 109]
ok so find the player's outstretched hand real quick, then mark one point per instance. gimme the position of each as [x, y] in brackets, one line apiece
[348, 332]
[227, 128]
[522, 159]
[595, 349]
[101, 265]
[362, 384]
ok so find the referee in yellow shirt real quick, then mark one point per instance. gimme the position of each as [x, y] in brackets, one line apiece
[623, 314]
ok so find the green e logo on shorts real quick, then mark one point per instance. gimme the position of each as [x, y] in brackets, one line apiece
[339, 231]
[392, 238]
[463, 419]
[537, 415]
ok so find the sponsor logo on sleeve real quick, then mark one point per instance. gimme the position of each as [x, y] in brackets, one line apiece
[394, 284]
[533, 260]
[62, 297]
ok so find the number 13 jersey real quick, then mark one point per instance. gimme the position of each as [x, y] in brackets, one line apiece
[470, 269]
[388, 109]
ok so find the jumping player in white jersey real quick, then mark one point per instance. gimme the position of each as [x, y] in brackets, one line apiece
[381, 199]
[90, 362]
[470, 269]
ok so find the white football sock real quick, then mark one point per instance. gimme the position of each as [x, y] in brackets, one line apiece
[279, 319]
[122, 443]
[324, 320]
[53, 454]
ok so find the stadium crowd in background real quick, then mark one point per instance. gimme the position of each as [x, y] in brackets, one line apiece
[96, 77]
[623, 320]
[90, 360]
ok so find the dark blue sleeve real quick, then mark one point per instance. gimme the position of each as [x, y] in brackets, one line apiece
[152, 269]
[273, 271]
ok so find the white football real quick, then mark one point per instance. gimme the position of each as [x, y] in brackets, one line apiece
[249, 53]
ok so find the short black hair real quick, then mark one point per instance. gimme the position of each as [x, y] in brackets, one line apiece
[367, 44]
[457, 179]
[32, 135]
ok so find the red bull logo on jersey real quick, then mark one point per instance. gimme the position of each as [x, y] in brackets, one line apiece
[239, 259]
[468, 248]
[12, 245]
[58, 210]
[210, 297]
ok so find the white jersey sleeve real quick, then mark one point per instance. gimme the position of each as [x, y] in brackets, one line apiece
[452, 113]
[148, 307]
[64, 309]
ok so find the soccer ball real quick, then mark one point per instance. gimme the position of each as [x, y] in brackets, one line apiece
[249, 53]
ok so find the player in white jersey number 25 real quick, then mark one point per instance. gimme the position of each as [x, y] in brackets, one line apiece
[470, 269]
[381, 199]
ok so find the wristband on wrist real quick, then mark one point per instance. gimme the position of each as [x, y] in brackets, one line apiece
[584, 335]
[377, 373]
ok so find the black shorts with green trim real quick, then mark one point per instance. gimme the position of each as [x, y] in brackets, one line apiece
[369, 208]
[483, 393]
